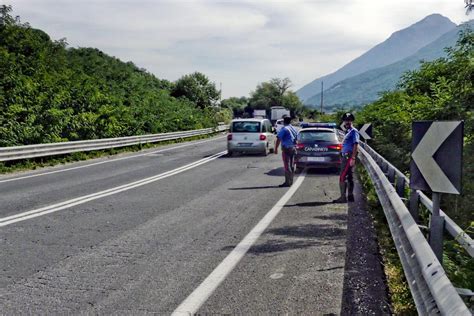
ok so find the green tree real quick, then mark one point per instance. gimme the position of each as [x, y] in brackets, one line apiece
[237, 105]
[197, 88]
[51, 93]
[276, 92]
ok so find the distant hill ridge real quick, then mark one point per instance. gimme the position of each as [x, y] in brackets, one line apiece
[399, 45]
[366, 87]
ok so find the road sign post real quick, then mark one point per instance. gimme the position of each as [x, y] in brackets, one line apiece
[437, 167]
[436, 228]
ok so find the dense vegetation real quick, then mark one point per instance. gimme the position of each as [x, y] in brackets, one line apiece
[51, 93]
[440, 90]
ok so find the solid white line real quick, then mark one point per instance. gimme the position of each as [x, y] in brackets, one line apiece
[194, 301]
[107, 161]
[86, 198]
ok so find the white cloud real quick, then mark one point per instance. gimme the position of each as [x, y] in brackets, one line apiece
[238, 43]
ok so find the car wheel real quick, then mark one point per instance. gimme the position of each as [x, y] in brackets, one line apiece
[298, 170]
[230, 153]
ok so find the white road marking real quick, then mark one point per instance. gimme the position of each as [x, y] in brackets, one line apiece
[194, 301]
[107, 161]
[90, 197]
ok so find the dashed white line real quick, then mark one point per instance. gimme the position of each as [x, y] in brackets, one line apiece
[90, 197]
[194, 301]
[107, 161]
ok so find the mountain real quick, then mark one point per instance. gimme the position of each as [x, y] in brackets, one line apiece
[399, 45]
[365, 88]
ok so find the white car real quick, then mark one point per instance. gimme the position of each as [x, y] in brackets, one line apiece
[251, 136]
[279, 125]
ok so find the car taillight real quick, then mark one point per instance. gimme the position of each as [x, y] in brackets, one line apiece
[336, 147]
[299, 146]
[229, 136]
[263, 137]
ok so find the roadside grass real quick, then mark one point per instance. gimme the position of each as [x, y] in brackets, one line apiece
[399, 291]
[43, 162]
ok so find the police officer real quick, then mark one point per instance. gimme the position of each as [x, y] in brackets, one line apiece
[287, 137]
[349, 154]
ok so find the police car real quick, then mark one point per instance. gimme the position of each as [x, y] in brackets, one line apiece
[318, 145]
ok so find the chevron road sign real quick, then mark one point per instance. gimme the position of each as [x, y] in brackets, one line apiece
[366, 131]
[437, 156]
[342, 127]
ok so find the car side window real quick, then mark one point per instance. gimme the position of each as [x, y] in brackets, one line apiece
[264, 127]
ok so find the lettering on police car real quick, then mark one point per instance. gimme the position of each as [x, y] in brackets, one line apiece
[315, 149]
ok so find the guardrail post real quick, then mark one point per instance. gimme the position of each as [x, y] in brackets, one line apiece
[400, 186]
[414, 205]
[391, 174]
[436, 228]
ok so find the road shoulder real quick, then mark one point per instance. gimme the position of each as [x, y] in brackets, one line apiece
[365, 291]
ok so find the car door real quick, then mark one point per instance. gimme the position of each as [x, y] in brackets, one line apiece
[270, 134]
[246, 133]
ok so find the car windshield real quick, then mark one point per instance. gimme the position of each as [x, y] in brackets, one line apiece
[317, 136]
[246, 127]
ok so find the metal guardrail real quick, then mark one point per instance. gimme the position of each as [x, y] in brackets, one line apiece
[401, 181]
[52, 149]
[431, 289]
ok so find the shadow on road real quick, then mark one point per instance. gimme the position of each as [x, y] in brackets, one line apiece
[256, 188]
[310, 231]
[308, 204]
[333, 217]
[310, 235]
[321, 172]
[277, 172]
[272, 246]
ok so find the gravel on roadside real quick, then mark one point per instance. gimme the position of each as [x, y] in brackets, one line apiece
[365, 291]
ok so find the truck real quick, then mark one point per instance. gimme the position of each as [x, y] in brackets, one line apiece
[259, 114]
[277, 112]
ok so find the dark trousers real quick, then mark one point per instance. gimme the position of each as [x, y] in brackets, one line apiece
[288, 155]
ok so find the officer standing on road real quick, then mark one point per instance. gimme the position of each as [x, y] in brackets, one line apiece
[349, 154]
[287, 137]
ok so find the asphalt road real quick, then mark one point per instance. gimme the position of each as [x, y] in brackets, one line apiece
[144, 248]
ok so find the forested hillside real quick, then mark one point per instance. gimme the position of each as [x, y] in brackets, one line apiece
[51, 93]
[366, 87]
[440, 90]
[399, 45]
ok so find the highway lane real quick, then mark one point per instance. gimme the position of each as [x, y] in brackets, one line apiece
[144, 251]
[297, 266]
[22, 192]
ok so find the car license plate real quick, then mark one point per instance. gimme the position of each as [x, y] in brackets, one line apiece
[316, 159]
[245, 144]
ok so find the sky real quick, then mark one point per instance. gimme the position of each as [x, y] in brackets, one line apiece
[237, 44]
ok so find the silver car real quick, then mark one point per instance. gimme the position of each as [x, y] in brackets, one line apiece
[251, 136]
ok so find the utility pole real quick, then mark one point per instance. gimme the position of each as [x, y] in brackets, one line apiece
[322, 96]
[220, 93]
